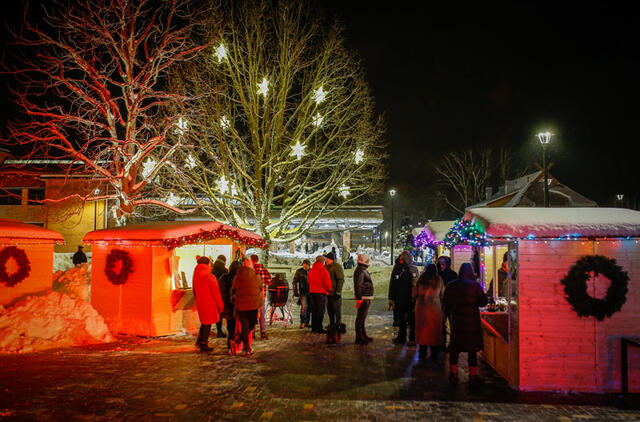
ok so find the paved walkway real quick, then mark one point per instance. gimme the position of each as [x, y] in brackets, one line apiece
[294, 376]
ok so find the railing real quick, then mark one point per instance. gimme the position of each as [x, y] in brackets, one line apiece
[624, 363]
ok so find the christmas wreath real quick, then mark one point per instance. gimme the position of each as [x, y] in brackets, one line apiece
[24, 266]
[113, 258]
[575, 286]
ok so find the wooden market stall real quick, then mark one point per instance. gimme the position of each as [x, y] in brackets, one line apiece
[432, 236]
[26, 259]
[141, 273]
[560, 307]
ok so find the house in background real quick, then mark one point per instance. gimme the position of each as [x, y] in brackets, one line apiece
[528, 191]
[24, 184]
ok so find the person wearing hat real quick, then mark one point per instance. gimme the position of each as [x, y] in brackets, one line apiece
[79, 257]
[363, 290]
[301, 290]
[334, 299]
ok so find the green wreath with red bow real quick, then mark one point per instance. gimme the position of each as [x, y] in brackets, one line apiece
[113, 257]
[24, 265]
[575, 286]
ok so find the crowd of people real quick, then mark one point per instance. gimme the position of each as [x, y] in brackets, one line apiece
[421, 304]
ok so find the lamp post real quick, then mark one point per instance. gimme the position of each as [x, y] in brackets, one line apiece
[544, 138]
[392, 193]
[95, 209]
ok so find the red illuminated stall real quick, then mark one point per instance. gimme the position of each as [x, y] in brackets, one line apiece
[141, 273]
[26, 259]
[560, 310]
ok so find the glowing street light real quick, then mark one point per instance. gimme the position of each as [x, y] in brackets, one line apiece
[545, 138]
[392, 194]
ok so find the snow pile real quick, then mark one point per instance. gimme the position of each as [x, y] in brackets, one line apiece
[62, 261]
[54, 320]
[74, 282]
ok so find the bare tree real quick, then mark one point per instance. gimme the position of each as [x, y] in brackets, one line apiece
[90, 81]
[282, 123]
[465, 175]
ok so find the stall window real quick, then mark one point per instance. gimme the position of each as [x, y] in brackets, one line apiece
[186, 261]
[10, 196]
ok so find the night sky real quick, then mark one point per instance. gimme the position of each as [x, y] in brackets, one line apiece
[449, 77]
[456, 76]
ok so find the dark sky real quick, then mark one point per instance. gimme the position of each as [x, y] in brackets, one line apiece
[452, 76]
[456, 76]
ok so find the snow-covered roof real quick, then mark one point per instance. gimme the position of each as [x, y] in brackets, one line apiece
[522, 222]
[175, 233]
[15, 229]
[439, 229]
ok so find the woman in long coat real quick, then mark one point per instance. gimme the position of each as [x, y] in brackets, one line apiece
[228, 312]
[461, 301]
[428, 293]
[208, 300]
[247, 298]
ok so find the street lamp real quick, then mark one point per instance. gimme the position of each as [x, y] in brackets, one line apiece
[392, 193]
[544, 138]
[620, 197]
[95, 209]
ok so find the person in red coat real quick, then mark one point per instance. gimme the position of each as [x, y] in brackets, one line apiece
[319, 286]
[208, 301]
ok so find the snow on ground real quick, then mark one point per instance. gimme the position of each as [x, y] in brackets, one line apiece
[74, 282]
[62, 261]
[50, 321]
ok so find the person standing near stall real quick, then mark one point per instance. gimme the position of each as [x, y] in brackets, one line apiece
[319, 287]
[404, 299]
[461, 301]
[228, 312]
[363, 290]
[301, 290]
[265, 276]
[219, 269]
[208, 300]
[334, 299]
[428, 293]
[247, 298]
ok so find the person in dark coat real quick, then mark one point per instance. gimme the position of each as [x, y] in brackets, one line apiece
[503, 273]
[208, 300]
[301, 290]
[334, 299]
[393, 281]
[219, 270]
[228, 311]
[461, 301]
[79, 257]
[247, 298]
[363, 290]
[404, 299]
[445, 271]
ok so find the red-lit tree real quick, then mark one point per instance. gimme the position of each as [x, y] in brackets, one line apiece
[91, 82]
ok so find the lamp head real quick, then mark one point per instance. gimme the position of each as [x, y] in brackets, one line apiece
[392, 192]
[620, 196]
[544, 137]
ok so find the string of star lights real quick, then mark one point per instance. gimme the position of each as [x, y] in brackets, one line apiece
[317, 120]
[319, 95]
[263, 87]
[343, 191]
[220, 52]
[464, 231]
[359, 156]
[298, 150]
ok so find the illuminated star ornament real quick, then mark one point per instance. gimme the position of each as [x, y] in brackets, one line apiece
[225, 123]
[298, 150]
[191, 162]
[317, 120]
[359, 156]
[319, 95]
[182, 125]
[223, 186]
[343, 191]
[220, 52]
[147, 167]
[263, 87]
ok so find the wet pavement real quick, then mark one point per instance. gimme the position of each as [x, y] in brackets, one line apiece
[294, 376]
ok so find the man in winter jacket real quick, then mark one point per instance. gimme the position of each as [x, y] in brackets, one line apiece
[461, 301]
[334, 300]
[319, 287]
[301, 290]
[363, 289]
[208, 300]
[403, 293]
[445, 271]
[265, 276]
[219, 269]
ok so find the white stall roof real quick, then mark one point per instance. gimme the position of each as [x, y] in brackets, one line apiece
[438, 229]
[15, 229]
[524, 222]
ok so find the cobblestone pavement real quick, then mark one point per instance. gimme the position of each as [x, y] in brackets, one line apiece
[294, 376]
